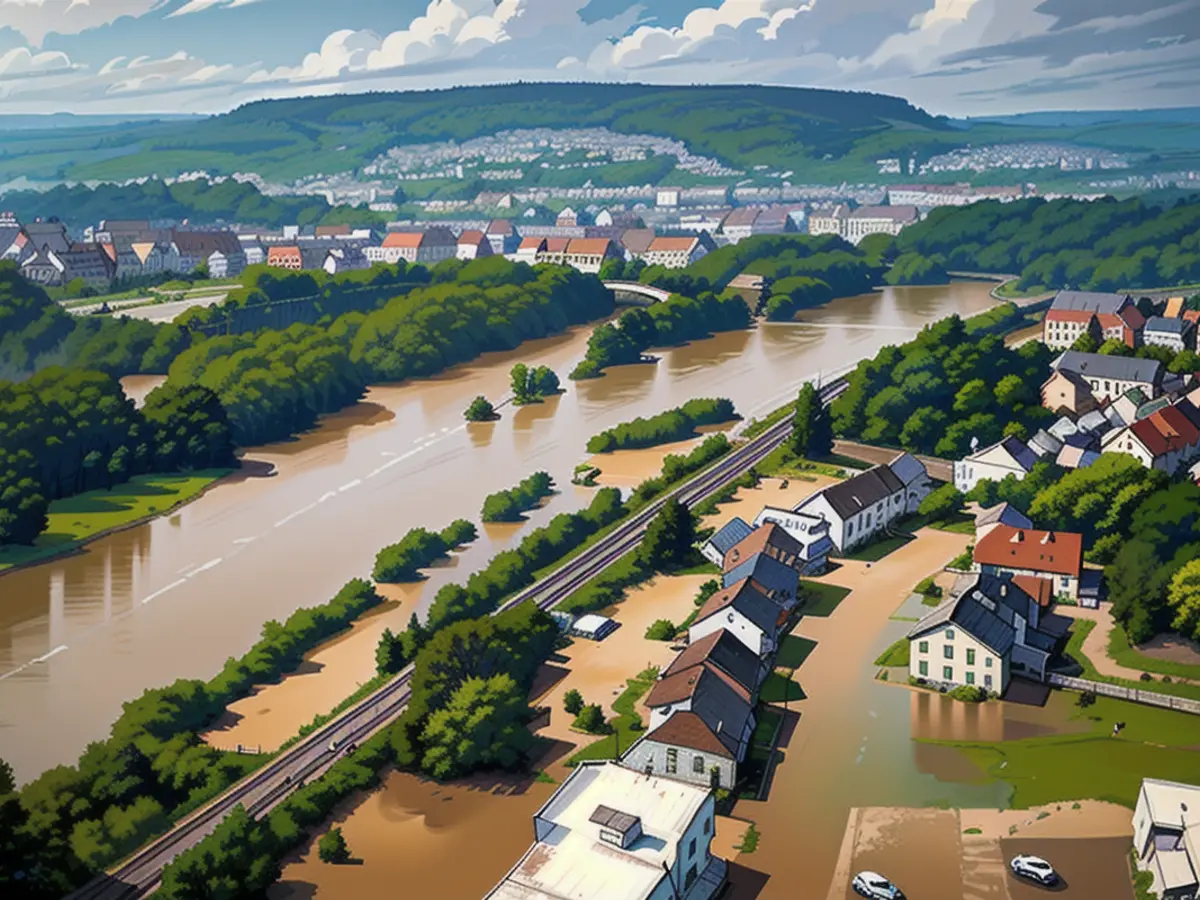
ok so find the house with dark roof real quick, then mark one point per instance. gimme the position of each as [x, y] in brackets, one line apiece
[725, 537]
[1175, 334]
[779, 581]
[1056, 555]
[1000, 514]
[988, 630]
[503, 236]
[701, 724]
[811, 532]
[1167, 439]
[1010, 456]
[860, 508]
[768, 539]
[746, 612]
[220, 251]
[1068, 393]
[1073, 314]
[1109, 377]
[729, 655]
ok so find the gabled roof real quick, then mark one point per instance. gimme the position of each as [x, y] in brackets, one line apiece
[1087, 301]
[743, 217]
[206, 243]
[672, 244]
[1070, 457]
[501, 228]
[748, 599]
[472, 236]
[767, 534]
[908, 469]
[687, 729]
[1161, 325]
[984, 606]
[765, 572]
[1057, 552]
[637, 240]
[1040, 589]
[726, 652]
[589, 246]
[1016, 450]
[730, 534]
[892, 213]
[852, 496]
[690, 683]
[1045, 444]
[1002, 514]
[1117, 368]
[532, 243]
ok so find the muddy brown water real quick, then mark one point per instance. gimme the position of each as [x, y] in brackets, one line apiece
[176, 597]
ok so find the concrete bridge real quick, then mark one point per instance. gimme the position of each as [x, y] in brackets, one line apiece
[636, 293]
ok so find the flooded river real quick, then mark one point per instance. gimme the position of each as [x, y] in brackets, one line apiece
[176, 597]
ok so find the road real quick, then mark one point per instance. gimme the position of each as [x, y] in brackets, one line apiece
[264, 789]
[941, 469]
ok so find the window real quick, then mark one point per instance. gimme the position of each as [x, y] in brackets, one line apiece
[987, 662]
[672, 760]
[948, 651]
[692, 848]
[849, 529]
[708, 826]
[690, 878]
[970, 678]
[970, 657]
[698, 765]
[611, 837]
[1066, 581]
[948, 673]
[949, 634]
[987, 682]
[923, 667]
[923, 647]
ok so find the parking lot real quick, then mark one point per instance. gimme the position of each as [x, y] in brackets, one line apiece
[1096, 868]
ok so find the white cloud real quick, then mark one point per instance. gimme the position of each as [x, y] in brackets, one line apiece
[35, 19]
[22, 61]
[195, 6]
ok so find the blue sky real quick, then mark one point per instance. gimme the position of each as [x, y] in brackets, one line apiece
[960, 57]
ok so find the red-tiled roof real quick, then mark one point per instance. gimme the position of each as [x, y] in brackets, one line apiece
[589, 246]
[471, 236]
[409, 240]
[1057, 552]
[1069, 315]
[557, 244]
[532, 243]
[275, 253]
[757, 541]
[1040, 589]
[672, 244]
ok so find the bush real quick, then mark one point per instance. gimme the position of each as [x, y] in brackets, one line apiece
[1086, 699]
[927, 588]
[672, 425]
[661, 630]
[418, 550]
[332, 847]
[573, 701]
[968, 693]
[591, 719]
[510, 505]
[480, 410]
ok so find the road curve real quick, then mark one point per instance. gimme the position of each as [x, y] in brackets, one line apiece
[262, 790]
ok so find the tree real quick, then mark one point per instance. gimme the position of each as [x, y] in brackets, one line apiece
[545, 383]
[973, 397]
[389, 654]
[1012, 391]
[7, 783]
[481, 727]
[331, 848]
[661, 630]
[942, 503]
[1183, 596]
[519, 379]
[573, 701]
[480, 410]
[590, 719]
[1114, 347]
[1085, 343]
[669, 537]
[812, 428]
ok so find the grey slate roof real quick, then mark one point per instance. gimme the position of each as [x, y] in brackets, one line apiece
[1088, 301]
[1168, 326]
[985, 607]
[1003, 514]
[908, 469]
[1045, 444]
[1094, 422]
[731, 533]
[1063, 428]
[1117, 368]
[748, 600]
[770, 573]
[852, 496]
[724, 651]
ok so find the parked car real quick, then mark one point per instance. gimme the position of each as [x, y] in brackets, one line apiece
[876, 887]
[333, 745]
[1034, 868]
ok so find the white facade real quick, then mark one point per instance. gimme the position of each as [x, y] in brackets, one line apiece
[730, 619]
[994, 463]
[951, 656]
[685, 763]
[1166, 837]
[811, 531]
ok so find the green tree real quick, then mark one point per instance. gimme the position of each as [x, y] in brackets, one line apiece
[573, 701]
[545, 383]
[1114, 347]
[590, 719]
[1085, 343]
[1012, 391]
[8, 784]
[661, 630]
[1183, 596]
[812, 428]
[389, 654]
[942, 503]
[480, 410]
[332, 848]
[481, 726]
[973, 397]
[519, 380]
[669, 537]
[239, 861]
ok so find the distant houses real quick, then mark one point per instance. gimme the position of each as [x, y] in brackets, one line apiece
[1010, 456]
[1108, 377]
[1073, 314]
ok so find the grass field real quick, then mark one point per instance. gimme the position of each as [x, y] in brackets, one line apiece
[1074, 649]
[895, 655]
[1095, 765]
[627, 725]
[821, 599]
[1120, 651]
[74, 520]
[879, 549]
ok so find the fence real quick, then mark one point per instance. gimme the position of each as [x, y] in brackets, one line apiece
[1149, 698]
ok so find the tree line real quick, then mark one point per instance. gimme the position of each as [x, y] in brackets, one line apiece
[511, 504]
[75, 820]
[418, 549]
[673, 425]
[66, 431]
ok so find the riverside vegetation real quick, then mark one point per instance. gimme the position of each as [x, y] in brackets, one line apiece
[512, 504]
[673, 425]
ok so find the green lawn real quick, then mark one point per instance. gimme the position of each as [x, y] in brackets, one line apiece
[778, 688]
[74, 520]
[895, 655]
[879, 549]
[820, 598]
[703, 567]
[793, 651]
[1121, 652]
[1074, 649]
[1155, 742]
[627, 725]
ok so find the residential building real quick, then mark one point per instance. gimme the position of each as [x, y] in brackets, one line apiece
[1166, 837]
[987, 631]
[568, 218]
[285, 256]
[1103, 316]
[502, 235]
[729, 655]
[1068, 393]
[1175, 334]
[811, 532]
[1167, 439]
[740, 223]
[779, 581]
[1055, 555]
[1070, 457]
[860, 508]
[1000, 514]
[589, 254]
[473, 244]
[745, 611]
[725, 537]
[667, 197]
[775, 220]
[769, 539]
[154, 257]
[1010, 456]
[43, 267]
[252, 246]
[611, 833]
[677, 252]
[530, 249]
[877, 220]
[39, 235]
[1045, 445]
[828, 220]
[636, 241]
[345, 259]
[555, 251]
[1111, 376]
[429, 246]
[915, 478]
[10, 231]
[219, 251]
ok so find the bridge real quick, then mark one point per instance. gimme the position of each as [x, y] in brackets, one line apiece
[636, 293]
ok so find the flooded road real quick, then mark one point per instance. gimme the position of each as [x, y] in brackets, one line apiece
[176, 597]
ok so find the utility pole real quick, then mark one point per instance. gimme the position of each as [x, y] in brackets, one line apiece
[671, 879]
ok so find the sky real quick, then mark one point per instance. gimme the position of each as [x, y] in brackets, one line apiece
[953, 57]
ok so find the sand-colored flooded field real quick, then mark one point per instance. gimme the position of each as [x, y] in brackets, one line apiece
[749, 502]
[628, 468]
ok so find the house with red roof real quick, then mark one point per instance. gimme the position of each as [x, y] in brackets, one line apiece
[1167, 439]
[1053, 555]
[677, 251]
[589, 254]
[1103, 316]
[473, 244]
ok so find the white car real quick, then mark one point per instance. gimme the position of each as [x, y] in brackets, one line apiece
[876, 887]
[1034, 868]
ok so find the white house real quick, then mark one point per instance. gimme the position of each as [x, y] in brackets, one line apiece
[1166, 837]
[677, 252]
[1010, 456]
[1056, 556]
[345, 259]
[745, 611]
[1174, 334]
[612, 833]
[861, 507]
[986, 631]
[733, 531]
[812, 533]
[915, 477]
[1111, 376]
[1166, 439]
